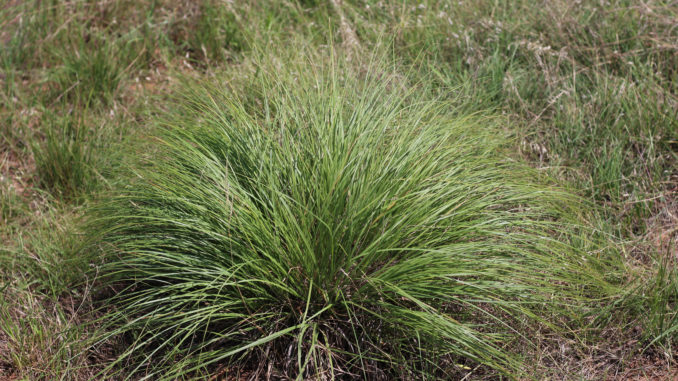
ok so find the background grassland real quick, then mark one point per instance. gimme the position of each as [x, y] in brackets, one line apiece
[587, 90]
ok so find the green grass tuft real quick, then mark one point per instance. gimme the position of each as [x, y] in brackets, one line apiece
[331, 222]
[90, 73]
[216, 34]
[76, 155]
[64, 161]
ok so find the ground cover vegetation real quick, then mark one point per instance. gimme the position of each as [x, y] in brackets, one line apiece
[338, 189]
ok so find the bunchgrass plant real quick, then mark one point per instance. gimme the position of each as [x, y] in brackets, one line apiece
[90, 73]
[323, 221]
[65, 160]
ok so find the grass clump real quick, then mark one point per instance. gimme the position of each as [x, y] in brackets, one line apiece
[90, 74]
[330, 222]
[216, 33]
[74, 156]
[64, 160]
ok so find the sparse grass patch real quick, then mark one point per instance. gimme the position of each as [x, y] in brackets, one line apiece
[42, 338]
[49, 256]
[10, 203]
[662, 313]
[43, 299]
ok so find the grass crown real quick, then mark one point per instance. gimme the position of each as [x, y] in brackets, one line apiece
[332, 222]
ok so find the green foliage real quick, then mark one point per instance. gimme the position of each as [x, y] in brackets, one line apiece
[90, 73]
[338, 219]
[586, 90]
[49, 254]
[64, 161]
[40, 343]
[41, 276]
[662, 312]
[216, 34]
[10, 204]
[590, 82]
[74, 156]
[656, 301]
